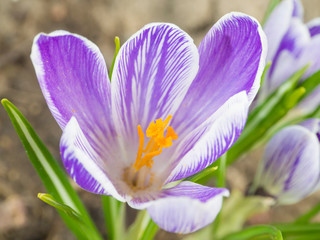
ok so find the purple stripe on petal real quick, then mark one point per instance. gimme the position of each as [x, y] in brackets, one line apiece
[187, 207]
[211, 139]
[290, 168]
[232, 57]
[314, 27]
[277, 26]
[74, 80]
[80, 161]
[152, 74]
[294, 41]
[297, 9]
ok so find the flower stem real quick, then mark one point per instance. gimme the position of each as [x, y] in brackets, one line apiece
[114, 212]
[150, 231]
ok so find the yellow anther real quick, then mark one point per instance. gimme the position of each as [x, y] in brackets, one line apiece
[155, 131]
[158, 127]
[171, 133]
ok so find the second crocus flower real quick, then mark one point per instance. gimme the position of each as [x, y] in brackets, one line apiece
[290, 168]
[292, 45]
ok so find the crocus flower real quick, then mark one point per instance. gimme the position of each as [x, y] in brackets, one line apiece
[291, 46]
[169, 111]
[290, 168]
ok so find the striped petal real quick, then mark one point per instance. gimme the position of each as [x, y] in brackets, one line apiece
[277, 25]
[213, 113]
[152, 74]
[83, 163]
[187, 207]
[290, 168]
[314, 26]
[74, 80]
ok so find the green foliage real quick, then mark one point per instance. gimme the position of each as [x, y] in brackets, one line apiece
[51, 174]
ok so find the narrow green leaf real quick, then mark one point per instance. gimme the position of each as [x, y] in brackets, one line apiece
[266, 115]
[293, 231]
[116, 51]
[307, 217]
[47, 198]
[150, 231]
[221, 178]
[271, 6]
[311, 83]
[51, 174]
[204, 173]
[266, 232]
[114, 213]
[142, 228]
[265, 71]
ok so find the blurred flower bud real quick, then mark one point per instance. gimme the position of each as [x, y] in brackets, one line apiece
[292, 45]
[290, 168]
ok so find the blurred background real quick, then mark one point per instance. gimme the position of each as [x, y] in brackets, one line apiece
[22, 215]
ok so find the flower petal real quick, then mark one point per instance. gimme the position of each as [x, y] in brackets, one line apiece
[290, 62]
[187, 207]
[277, 25]
[74, 80]
[212, 138]
[293, 43]
[152, 74]
[297, 9]
[314, 26]
[290, 168]
[232, 58]
[82, 162]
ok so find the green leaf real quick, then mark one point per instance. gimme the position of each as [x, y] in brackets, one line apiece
[47, 198]
[142, 228]
[114, 213]
[260, 232]
[237, 209]
[270, 8]
[51, 174]
[203, 174]
[299, 231]
[310, 83]
[116, 51]
[307, 217]
[150, 231]
[221, 178]
[265, 71]
[266, 115]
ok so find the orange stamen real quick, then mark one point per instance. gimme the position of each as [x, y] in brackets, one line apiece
[155, 131]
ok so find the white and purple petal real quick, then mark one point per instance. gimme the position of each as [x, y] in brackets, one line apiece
[288, 58]
[232, 58]
[84, 164]
[152, 74]
[277, 25]
[212, 138]
[314, 27]
[290, 168]
[74, 80]
[187, 207]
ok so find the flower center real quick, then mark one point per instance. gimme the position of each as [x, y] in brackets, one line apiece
[157, 141]
[139, 176]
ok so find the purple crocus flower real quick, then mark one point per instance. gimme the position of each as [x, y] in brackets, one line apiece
[291, 46]
[170, 111]
[290, 168]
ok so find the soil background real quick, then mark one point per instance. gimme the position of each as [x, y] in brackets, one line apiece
[22, 215]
